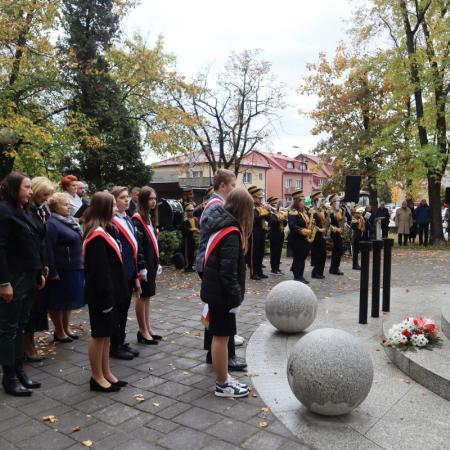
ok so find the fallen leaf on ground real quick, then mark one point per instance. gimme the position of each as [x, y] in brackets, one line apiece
[254, 395]
[139, 397]
[263, 424]
[265, 409]
[155, 404]
[51, 419]
[74, 430]
[406, 381]
[87, 443]
[250, 374]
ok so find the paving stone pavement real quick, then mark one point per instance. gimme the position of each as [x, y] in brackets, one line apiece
[178, 410]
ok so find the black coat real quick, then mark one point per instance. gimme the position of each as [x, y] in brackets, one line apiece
[41, 229]
[105, 284]
[223, 282]
[149, 259]
[19, 242]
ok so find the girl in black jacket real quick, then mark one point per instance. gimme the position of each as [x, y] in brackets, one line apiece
[223, 282]
[146, 222]
[105, 287]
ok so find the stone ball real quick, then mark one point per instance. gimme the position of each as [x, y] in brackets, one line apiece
[330, 371]
[291, 306]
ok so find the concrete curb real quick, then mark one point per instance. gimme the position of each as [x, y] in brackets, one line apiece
[445, 321]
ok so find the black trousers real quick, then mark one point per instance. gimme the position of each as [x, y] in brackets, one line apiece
[300, 249]
[356, 251]
[384, 232]
[338, 251]
[318, 254]
[276, 247]
[405, 239]
[119, 333]
[14, 317]
[258, 242]
[189, 251]
[423, 233]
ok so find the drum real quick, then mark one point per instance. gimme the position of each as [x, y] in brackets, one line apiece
[170, 214]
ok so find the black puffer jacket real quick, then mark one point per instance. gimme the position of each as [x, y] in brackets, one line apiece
[223, 282]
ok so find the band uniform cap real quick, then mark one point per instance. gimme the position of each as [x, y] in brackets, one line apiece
[252, 189]
[272, 200]
[298, 195]
[333, 198]
[315, 195]
[255, 191]
[359, 209]
[187, 189]
[209, 192]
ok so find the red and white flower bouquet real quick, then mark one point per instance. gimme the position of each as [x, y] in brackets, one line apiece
[412, 334]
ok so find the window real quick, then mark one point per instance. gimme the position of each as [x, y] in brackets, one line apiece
[261, 176]
[303, 166]
[298, 184]
[197, 174]
[247, 178]
[290, 165]
[321, 181]
[289, 182]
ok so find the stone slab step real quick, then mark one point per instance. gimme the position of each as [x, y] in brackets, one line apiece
[430, 368]
[445, 321]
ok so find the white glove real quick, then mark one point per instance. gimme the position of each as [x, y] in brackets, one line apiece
[143, 274]
[159, 270]
[235, 310]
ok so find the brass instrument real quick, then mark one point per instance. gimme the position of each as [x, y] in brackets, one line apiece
[263, 212]
[340, 218]
[193, 224]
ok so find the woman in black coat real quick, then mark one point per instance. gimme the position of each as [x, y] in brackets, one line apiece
[105, 287]
[223, 281]
[146, 222]
[42, 189]
[20, 273]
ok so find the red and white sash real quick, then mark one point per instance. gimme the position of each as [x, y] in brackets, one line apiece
[150, 233]
[212, 243]
[129, 235]
[99, 231]
[213, 201]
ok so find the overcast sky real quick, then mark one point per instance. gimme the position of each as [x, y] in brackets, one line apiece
[290, 34]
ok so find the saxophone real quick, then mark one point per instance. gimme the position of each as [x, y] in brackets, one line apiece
[313, 228]
[339, 217]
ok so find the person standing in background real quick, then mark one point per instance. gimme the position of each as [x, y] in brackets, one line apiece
[413, 230]
[65, 261]
[69, 185]
[382, 214]
[358, 227]
[403, 222]
[337, 223]
[134, 200]
[423, 219]
[318, 247]
[189, 230]
[277, 224]
[42, 188]
[20, 272]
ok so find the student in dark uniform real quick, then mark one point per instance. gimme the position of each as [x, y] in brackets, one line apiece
[337, 222]
[258, 237]
[189, 230]
[20, 273]
[105, 287]
[359, 228]
[318, 246]
[146, 222]
[132, 206]
[42, 188]
[130, 256]
[277, 224]
[198, 210]
[299, 229]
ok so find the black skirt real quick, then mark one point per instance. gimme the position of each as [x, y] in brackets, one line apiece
[38, 316]
[102, 324]
[149, 287]
[221, 322]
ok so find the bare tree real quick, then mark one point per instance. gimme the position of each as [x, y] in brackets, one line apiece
[233, 118]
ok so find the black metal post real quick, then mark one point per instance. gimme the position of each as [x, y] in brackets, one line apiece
[364, 284]
[387, 269]
[376, 277]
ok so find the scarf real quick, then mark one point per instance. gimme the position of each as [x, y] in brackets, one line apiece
[70, 222]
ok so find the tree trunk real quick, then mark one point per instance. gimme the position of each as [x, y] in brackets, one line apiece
[6, 162]
[434, 194]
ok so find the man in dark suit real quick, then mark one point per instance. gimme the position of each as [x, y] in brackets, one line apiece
[133, 201]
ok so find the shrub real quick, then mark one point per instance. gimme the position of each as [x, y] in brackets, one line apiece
[169, 244]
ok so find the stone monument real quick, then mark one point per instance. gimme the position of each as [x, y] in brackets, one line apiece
[330, 371]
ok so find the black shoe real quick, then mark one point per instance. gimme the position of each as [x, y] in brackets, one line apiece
[119, 383]
[24, 378]
[356, 267]
[263, 276]
[34, 358]
[337, 272]
[189, 270]
[141, 340]
[12, 385]
[237, 364]
[62, 341]
[156, 337]
[208, 358]
[130, 349]
[73, 336]
[99, 388]
[319, 277]
[121, 353]
[302, 280]
[255, 277]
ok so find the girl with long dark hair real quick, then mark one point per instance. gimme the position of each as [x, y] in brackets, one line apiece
[105, 287]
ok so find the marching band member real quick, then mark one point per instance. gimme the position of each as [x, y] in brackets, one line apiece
[187, 198]
[258, 237]
[198, 210]
[337, 221]
[359, 228]
[277, 224]
[300, 229]
[318, 247]
[189, 230]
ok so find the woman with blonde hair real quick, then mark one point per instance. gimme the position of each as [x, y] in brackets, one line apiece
[105, 287]
[223, 282]
[42, 189]
[146, 222]
[65, 262]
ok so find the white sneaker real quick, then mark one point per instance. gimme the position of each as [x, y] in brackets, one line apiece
[235, 382]
[230, 390]
[238, 340]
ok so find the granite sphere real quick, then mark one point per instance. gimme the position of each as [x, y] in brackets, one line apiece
[291, 306]
[330, 371]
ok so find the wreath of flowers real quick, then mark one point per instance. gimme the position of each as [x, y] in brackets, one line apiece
[413, 333]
